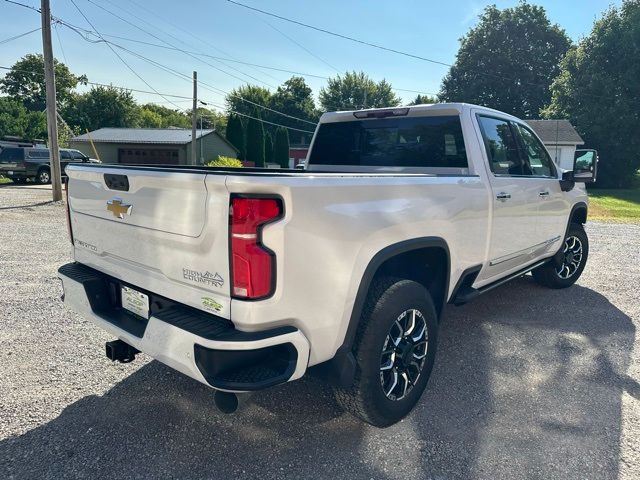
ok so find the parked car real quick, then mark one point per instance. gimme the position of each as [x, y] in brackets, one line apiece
[246, 278]
[22, 163]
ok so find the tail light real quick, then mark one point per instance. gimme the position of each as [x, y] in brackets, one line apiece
[253, 266]
[66, 192]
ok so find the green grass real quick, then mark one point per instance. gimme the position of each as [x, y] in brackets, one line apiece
[4, 180]
[621, 205]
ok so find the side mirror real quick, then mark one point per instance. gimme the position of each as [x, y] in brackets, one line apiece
[585, 166]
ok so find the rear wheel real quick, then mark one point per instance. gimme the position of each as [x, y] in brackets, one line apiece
[564, 269]
[394, 349]
[44, 176]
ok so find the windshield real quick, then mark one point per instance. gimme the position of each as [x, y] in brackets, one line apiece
[434, 141]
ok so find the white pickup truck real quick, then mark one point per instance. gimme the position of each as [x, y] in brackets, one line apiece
[244, 278]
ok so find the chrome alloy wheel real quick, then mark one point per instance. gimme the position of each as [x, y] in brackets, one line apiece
[571, 257]
[44, 177]
[403, 354]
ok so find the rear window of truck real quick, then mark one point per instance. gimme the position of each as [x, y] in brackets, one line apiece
[11, 155]
[434, 141]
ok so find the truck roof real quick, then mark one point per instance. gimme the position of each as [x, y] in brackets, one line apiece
[413, 110]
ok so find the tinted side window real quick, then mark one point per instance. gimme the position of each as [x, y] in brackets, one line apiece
[435, 141]
[501, 146]
[38, 153]
[535, 155]
[11, 155]
[65, 155]
[77, 155]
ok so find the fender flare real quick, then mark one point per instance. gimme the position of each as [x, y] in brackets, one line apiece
[341, 368]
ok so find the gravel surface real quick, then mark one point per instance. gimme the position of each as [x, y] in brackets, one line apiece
[528, 383]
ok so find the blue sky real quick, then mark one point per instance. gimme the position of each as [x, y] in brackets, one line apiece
[426, 28]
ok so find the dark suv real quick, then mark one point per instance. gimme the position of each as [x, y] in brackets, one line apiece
[22, 163]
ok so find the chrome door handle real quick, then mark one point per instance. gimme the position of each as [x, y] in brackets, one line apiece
[503, 196]
[543, 194]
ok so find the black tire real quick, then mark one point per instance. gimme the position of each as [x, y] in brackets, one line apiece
[43, 177]
[388, 299]
[566, 266]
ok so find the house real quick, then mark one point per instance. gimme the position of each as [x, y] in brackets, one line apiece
[152, 145]
[298, 154]
[560, 138]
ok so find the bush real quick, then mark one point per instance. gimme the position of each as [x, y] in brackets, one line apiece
[225, 162]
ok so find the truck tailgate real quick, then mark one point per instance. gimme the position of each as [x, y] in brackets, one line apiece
[166, 233]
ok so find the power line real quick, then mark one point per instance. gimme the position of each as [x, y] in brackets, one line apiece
[339, 35]
[375, 45]
[199, 39]
[15, 37]
[205, 102]
[292, 40]
[177, 48]
[117, 54]
[206, 85]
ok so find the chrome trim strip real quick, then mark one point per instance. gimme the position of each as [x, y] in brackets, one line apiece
[526, 251]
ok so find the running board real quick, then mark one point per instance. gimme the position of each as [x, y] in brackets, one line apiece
[468, 293]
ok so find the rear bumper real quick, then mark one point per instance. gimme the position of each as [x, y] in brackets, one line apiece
[200, 345]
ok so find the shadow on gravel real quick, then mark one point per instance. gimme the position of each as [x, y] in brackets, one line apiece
[527, 384]
[28, 206]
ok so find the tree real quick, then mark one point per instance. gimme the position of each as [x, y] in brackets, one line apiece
[255, 142]
[598, 89]
[25, 82]
[281, 147]
[15, 120]
[508, 61]
[423, 100]
[354, 91]
[168, 117]
[236, 135]
[295, 98]
[102, 107]
[268, 148]
[244, 99]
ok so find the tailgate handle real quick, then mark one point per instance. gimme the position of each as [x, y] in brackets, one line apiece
[116, 182]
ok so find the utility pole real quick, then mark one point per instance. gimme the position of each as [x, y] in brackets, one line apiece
[194, 118]
[50, 84]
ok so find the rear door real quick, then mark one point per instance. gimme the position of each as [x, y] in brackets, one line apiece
[515, 235]
[160, 230]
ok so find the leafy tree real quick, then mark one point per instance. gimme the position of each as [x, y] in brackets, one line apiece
[149, 119]
[236, 135]
[239, 100]
[102, 107]
[255, 142]
[508, 61]
[356, 90]
[281, 147]
[598, 89]
[25, 82]
[268, 148]
[168, 117]
[423, 100]
[15, 120]
[295, 98]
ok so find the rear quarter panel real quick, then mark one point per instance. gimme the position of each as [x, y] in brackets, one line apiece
[332, 228]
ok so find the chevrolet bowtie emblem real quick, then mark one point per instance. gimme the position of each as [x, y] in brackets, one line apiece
[118, 208]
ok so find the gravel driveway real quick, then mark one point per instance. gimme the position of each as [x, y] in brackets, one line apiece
[528, 383]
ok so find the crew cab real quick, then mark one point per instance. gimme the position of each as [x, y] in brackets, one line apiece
[246, 278]
[23, 163]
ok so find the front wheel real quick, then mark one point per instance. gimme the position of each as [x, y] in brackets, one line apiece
[564, 269]
[395, 351]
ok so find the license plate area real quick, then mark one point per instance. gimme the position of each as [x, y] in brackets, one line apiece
[134, 301]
